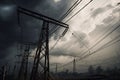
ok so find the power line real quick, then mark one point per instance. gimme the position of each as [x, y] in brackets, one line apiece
[71, 9]
[76, 33]
[99, 40]
[76, 13]
[79, 38]
[55, 43]
[68, 12]
[104, 61]
[79, 11]
[102, 38]
[90, 54]
[111, 42]
[65, 15]
[107, 45]
[76, 4]
[96, 50]
[102, 47]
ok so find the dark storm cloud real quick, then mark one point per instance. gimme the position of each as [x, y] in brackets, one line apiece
[108, 20]
[28, 3]
[59, 52]
[63, 52]
[52, 9]
[10, 30]
[73, 46]
[98, 11]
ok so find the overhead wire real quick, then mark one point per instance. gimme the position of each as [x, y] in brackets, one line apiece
[73, 15]
[99, 41]
[55, 43]
[71, 9]
[103, 38]
[65, 15]
[77, 60]
[101, 62]
[77, 34]
[107, 29]
[80, 39]
[74, 34]
[76, 12]
[111, 32]
[106, 45]
[79, 11]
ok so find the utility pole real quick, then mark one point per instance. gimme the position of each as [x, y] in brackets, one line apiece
[74, 65]
[40, 69]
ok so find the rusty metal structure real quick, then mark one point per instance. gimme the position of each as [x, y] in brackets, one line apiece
[23, 71]
[40, 69]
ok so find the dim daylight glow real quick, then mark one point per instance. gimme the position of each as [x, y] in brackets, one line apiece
[57, 1]
[6, 11]
[6, 8]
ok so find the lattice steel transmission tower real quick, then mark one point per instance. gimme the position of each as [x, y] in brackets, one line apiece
[40, 69]
[22, 75]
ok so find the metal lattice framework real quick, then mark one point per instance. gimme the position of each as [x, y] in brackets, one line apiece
[41, 59]
[22, 75]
